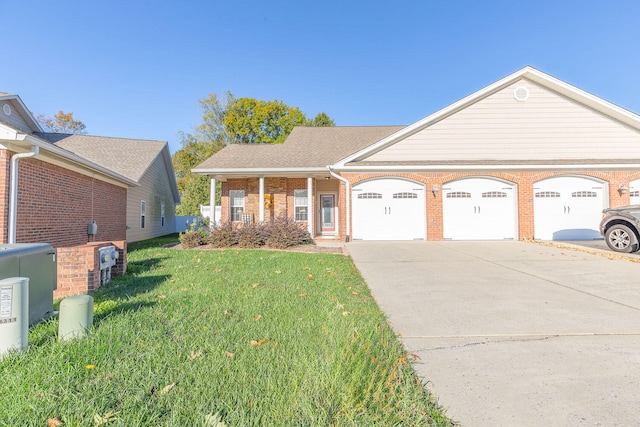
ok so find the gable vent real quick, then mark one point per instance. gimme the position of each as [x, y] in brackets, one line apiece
[521, 94]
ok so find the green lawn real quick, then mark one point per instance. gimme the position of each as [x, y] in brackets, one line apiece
[214, 338]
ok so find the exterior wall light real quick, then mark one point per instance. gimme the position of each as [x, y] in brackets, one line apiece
[623, 189]
[435, 189]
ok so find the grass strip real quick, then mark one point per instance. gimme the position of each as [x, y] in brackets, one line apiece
[221, 337]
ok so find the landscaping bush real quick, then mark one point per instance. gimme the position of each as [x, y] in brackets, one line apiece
[223, 236]
[284, 232]
[191, 239]
[251, 235]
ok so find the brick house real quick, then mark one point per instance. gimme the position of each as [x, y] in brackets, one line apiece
[52, 186]
[527, 157]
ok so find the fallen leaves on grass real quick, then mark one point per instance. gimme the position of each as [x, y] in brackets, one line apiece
[53, 422]
[415, 356]
[310, 277]
[162, 297]
[90, 366]
[99, 420]
[214, 420]
[195, 354]
[257, 317]
[168, 388]
[255, 343]
[229, 354]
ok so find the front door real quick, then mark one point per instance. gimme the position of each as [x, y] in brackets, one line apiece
[327, 213]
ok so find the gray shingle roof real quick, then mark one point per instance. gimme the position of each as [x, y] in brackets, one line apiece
[306, 147]
[127, 157]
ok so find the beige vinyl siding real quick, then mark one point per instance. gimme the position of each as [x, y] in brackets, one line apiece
[155, 189]
[547, 126]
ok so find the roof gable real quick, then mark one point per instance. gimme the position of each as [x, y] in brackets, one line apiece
[493, 116]
[14, 113]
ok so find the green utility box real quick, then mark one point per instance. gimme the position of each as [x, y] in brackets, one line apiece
[37, 261]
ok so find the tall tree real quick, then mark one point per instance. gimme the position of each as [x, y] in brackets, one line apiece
[230, 120]
[62, 122]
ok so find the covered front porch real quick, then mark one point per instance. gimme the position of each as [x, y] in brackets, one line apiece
[312, 200]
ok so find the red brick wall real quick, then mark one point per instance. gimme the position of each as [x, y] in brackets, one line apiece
[282, 191]
[55, 205]
[79, 270]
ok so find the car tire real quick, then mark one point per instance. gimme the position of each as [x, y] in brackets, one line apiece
[621, 238]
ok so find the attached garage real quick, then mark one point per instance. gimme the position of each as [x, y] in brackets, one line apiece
[389, 209]
[479, 209]
[568, 208]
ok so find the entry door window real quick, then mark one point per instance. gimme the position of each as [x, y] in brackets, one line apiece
[327, 203]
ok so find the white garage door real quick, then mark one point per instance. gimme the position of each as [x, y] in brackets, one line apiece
[567, 208]
[479, 209]
[388, 209]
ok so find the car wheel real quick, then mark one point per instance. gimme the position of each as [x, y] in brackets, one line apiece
[621, 238]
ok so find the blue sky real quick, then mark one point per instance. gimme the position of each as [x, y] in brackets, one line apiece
[138, 68]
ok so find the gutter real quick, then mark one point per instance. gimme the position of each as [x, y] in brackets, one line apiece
[13, 192]
[348, 200]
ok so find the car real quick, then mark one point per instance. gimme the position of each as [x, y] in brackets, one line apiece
[620, 228]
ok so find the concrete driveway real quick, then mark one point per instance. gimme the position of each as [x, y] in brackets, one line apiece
[512, 333]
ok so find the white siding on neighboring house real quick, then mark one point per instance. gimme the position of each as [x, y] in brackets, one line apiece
[545, 126]
[155, 190]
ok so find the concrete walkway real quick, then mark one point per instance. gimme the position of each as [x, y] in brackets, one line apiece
[513, 333]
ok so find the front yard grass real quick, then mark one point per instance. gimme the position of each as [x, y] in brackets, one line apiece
[215, 338]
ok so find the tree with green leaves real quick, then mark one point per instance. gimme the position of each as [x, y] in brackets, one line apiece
[61, 122]
[230, 120]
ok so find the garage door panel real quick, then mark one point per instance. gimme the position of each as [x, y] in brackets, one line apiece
[389, 209]
[479, 209]
[568, 208]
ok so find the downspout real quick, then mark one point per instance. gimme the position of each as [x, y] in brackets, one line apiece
[348, 200]
[13, 192]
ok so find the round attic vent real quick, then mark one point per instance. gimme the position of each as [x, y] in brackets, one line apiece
[521, 94]
[6, 109]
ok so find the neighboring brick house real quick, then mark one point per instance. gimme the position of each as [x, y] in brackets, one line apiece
[529, 156]
[151, 203]
[66, 182]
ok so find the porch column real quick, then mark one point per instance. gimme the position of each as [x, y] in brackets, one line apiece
[261, 200]
[212, 202]
[310, 205]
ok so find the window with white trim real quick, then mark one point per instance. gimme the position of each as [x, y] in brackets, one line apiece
[458, 195]
[143, 212]
[236, 204]
[300, 204]
[584, 194]
[369, 196]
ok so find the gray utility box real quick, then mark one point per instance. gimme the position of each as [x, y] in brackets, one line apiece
[37, 261]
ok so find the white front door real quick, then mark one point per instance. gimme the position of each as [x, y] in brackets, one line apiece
[568, 208]
[389, 209]
[479, 209]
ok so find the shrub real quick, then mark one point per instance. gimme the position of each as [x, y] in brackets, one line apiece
[251, 235]
[284, 232]
[223, 236]
[191, 239]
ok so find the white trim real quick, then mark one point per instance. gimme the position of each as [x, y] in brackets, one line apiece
[261, 199]
[496, 167]
[212, 202]
[310, 215]
[336, 213]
